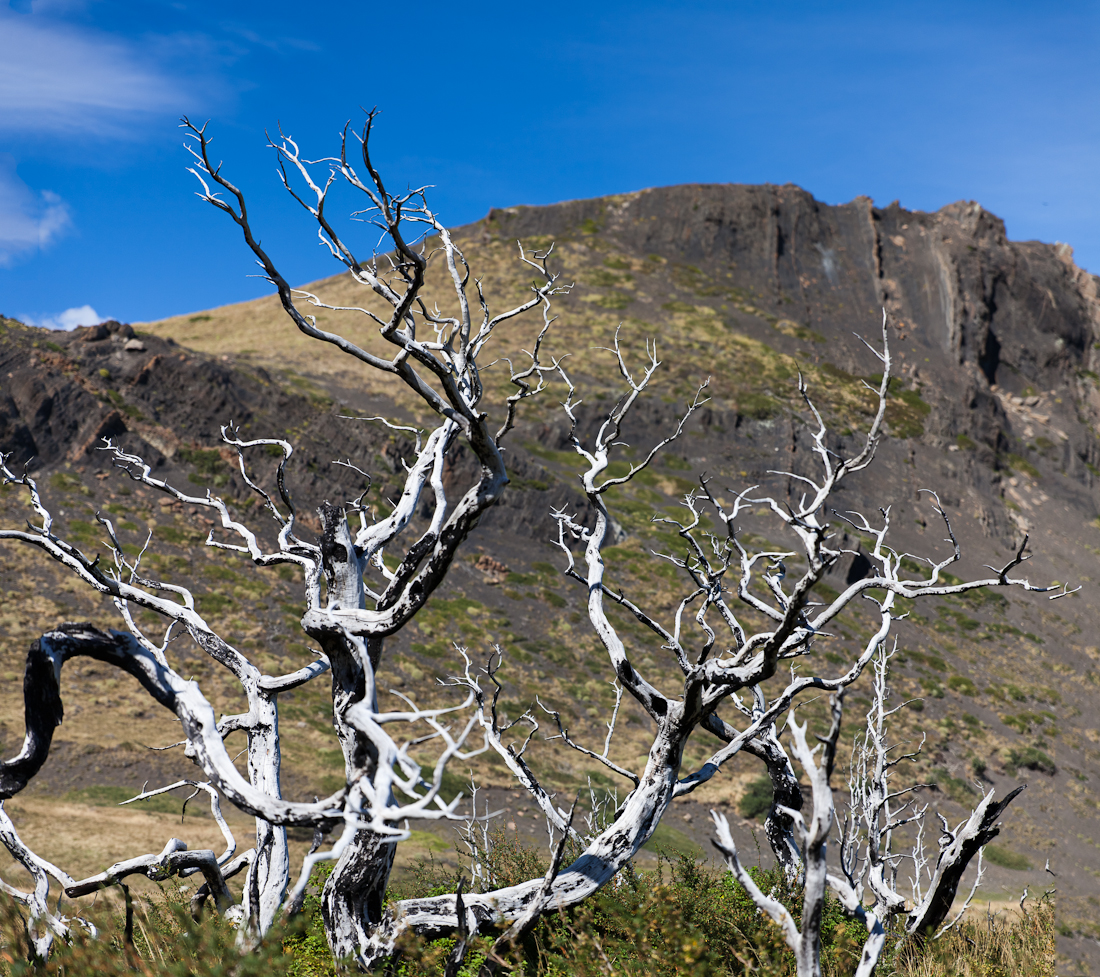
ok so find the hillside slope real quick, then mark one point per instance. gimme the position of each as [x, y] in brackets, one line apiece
[996, 408]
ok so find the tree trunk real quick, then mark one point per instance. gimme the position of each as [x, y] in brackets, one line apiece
[269, 874]
[605, 856]
[353, 896]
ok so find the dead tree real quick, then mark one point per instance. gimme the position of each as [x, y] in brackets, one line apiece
[739, 622]
[813, 838]
[715, 670]
[877, 809]
[353, 601]
[867, 883]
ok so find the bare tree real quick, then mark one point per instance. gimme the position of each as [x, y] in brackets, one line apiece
[877, 810]
[867, 883]
[738, 623]
[353, 601]
[804, 941]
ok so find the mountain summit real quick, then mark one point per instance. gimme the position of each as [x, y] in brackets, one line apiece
[995, 406]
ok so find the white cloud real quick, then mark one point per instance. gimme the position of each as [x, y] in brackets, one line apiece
[70, 319]
[29, 221]
[60, 78]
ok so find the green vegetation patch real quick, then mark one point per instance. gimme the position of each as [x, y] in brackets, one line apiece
[178, 535]
[963, 685]
[667, 840]
[906, 414]
[120, 402]
[1031, 758]
[65, 482]
[602, 278]
[1006, 858]
[682, 919]
[109, 795]
[83, 532]
[756, 801]
[954, 787]
[1017, 463]
[205, 461]
[616, 301]
[757, 406]
[213, 603]
[932, 661]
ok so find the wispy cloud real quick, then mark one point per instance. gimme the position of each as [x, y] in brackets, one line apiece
[83, 315]
[58, 78]
[29, 221]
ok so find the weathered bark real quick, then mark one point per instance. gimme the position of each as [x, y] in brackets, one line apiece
[353, 896]
[42, 714]
[269, 873]
[956, 852]
[786, 797]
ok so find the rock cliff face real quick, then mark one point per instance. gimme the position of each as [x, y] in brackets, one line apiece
[978, 317]
[996, 406]
[954, 276]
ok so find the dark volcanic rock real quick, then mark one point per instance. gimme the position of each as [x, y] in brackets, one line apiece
[978, 317]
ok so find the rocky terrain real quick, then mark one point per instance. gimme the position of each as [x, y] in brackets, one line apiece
[995, 407]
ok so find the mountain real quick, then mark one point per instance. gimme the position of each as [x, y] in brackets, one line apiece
[996, 407]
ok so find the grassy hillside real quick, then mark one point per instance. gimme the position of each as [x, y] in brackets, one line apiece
[751, 291]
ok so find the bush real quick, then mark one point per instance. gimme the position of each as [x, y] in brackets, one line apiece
[166, 943]
[954, 787]
[1031, 758]
[757, 799]
[680, 920]
[960, 683]
[206, 461]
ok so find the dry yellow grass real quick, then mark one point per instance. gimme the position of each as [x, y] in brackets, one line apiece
[260, 332]
[85, 840]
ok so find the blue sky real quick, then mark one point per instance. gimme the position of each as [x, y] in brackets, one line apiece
[499, 104]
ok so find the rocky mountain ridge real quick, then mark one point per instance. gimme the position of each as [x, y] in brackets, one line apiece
[996, 407]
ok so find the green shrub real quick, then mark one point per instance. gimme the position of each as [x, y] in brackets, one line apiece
[906, 414]
[177, 535]
[756, 801]
[1031, 758]
[82, 531]
[206, 461]
[213, 603]
[1013, 462]
[167, 942]
[954, 787]
[1006, 858]
[616, 301]
[682, 919]
[759, 407]
[960, 683]
[64, 482]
